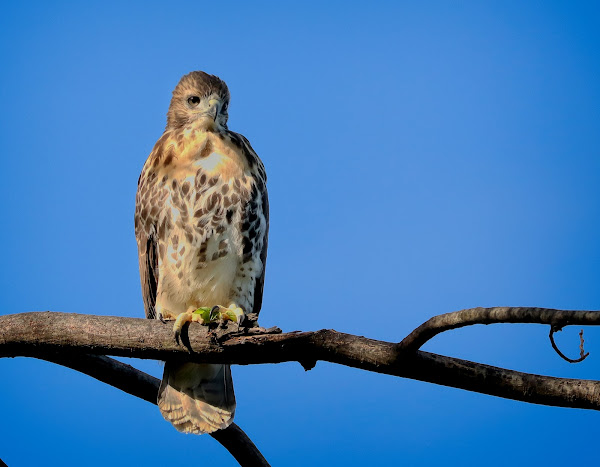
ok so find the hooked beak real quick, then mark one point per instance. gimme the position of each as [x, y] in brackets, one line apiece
[214, 105]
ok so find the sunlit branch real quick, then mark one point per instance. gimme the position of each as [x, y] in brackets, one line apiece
[43, 333]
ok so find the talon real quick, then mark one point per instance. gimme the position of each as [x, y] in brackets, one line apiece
[240, 315]
[165, 315]
[216, 314]
[181, 320]
[233, 313]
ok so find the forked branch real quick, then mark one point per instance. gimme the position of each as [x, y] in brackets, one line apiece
[82, 341]
[40, 334]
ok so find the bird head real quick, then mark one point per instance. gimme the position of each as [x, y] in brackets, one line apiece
[199, 97]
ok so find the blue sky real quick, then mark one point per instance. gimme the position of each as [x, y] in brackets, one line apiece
[423, 157]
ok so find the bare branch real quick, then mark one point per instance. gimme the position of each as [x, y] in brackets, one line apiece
[110, 371]
[142, 385]
[42, 333]
[582, 354]
[462, 318]
[240, 446]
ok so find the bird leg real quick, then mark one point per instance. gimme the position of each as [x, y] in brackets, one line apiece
[205, 315]
[231, 313]
[165, 315]
[187, 317]
[219, 313]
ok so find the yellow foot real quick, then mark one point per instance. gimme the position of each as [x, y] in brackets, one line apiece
[165, 315]
[203, 315]
[183, 318]
[232, 313]
[220, 313]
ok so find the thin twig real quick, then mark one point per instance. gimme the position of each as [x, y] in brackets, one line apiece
[582, 354]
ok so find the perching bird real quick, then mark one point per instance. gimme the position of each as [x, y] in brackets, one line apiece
[201, 224]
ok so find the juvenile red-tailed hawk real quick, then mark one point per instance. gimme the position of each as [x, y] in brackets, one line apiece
[201, 224]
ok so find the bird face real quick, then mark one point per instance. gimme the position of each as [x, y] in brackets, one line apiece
[210, 110]
[201, 99]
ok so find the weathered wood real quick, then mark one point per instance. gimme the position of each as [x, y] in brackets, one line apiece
[40, 334]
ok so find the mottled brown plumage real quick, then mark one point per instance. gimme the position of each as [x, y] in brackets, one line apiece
[201, 224]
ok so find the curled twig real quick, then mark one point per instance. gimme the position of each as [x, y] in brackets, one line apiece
[459, 319]
[582, 354]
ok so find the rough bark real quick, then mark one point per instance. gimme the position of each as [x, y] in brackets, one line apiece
[40, 334]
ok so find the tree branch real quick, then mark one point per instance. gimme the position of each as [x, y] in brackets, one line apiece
[142, 385]
[39, 334]
[458, 319]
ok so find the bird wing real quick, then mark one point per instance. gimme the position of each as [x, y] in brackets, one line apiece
[147, 240]
[260, 281]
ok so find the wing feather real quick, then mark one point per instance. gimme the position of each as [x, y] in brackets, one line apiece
[149, 275]
[146, 236]
[260, 281]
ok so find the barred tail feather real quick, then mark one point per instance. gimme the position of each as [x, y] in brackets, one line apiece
[197, 397]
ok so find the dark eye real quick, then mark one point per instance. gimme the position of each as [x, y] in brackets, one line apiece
[193, 100]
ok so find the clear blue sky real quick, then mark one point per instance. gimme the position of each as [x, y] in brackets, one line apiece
[423, 157]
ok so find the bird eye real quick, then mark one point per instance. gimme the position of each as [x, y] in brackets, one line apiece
[193, 100]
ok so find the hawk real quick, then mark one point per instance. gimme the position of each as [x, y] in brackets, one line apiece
[201, 224]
